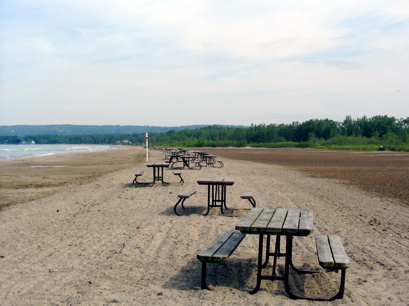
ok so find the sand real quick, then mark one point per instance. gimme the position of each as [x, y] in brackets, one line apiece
[80, 233]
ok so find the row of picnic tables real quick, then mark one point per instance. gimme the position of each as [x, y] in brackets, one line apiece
[198, 158]
[263, 222]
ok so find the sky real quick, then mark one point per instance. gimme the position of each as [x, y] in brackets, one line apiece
[177, 63]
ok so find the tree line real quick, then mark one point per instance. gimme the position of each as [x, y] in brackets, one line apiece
[382, 130]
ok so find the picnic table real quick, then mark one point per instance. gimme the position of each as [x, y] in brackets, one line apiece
[216, 191]
[186, 160]
[158, 171]
[278, 222]
[210, 160]
[174, 156]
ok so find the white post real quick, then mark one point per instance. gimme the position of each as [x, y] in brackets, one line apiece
[147, 146]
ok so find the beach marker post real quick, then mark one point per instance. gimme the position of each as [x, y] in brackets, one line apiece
[147, 146]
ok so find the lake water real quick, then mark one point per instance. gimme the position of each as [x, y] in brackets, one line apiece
[32, 150]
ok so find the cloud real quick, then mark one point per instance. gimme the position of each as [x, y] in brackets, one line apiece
[201, 62]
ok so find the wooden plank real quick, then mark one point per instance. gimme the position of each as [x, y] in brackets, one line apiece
[246, 195]
[229, 181]
[217, 181]
[292, 221]
[187, 194]
[205, 180]
[224, 252]
[245, 224]
[324, 252]
[338, 252]
[263, 220]
[207, 253]
[306, 225]
[277, 221]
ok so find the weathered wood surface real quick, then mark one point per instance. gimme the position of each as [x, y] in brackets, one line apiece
[246, 195]
[279, 221]
[331, 253]
[222, 247]
[186, 194]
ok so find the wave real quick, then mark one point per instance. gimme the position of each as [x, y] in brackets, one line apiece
[21, 151]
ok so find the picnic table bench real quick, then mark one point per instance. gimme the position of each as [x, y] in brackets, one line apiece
[179, 173]
[137, 174]
[332, 256]
[249, 196]
[182, 198]
[219, 251]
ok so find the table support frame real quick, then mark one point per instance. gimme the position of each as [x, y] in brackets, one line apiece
[276, 254]
[216, 197]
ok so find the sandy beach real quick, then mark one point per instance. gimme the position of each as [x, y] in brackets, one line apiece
[74, 230]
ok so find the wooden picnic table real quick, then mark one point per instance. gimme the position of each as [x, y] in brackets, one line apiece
[216, 191]
[158, 171]
[278, 222]
[186, 160]
[210, 160]
[174, 156]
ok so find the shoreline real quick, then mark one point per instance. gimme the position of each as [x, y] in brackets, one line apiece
[29, 178]
[73, 147]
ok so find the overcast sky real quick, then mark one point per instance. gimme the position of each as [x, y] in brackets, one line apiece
[172, 63]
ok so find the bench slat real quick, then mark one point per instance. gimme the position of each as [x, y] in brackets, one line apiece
[307, 223]
[324, 252]
[331, 253]
[222, 247]
[247, 221]
[277, 221]
[246, 195]
[229, 181]
[340, 257]
[139, 173]
[186, 194]
[214, 246]
[293, 219]
[228, 247]
[264, 219]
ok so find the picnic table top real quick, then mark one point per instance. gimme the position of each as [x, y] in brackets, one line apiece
[216, 181]
[277, 221]
[157, 165]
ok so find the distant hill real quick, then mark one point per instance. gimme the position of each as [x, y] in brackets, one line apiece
[67, 129]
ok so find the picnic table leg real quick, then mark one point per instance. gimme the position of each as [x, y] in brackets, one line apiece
[222, 199]
[259, 264]
[177, 203]
[204, 284]
[160, 174]
[289, 249]
[224, 196]
[267, 252]
[154, 175]
[208, 200]
[276, 253]
[218, 196]
[299, 271]
[288, 264]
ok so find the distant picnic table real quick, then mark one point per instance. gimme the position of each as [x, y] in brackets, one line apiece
[216, 191]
